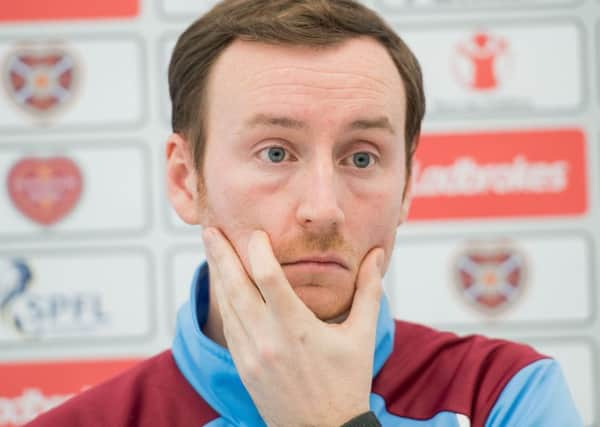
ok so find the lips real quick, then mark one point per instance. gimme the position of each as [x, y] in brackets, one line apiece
[324, 260]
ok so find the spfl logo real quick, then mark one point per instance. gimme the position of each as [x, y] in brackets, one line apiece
[490, 276]
[40, 79]
[14, 279]
[35, 313]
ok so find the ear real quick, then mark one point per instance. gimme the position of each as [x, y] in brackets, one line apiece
[406, 200]
[182, 179]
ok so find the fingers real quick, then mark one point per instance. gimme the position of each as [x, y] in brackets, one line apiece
[234, 285]
[367, 297]
[269, 276]
[233, 328]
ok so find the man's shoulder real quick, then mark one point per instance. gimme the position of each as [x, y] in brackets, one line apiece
[416, 341]
[431, 371]
[151, 393]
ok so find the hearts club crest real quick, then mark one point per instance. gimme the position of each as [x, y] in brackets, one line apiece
[490, 276]
[40, 79]
[45, 190]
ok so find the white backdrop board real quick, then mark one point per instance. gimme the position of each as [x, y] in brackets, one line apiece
[503, 238]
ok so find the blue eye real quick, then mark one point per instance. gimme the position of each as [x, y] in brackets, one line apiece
[276, 154]
[362, 160]
[273, 154]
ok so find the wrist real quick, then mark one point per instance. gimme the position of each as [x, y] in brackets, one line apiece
[367, 419]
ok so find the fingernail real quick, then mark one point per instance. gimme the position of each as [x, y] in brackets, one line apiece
[259, 234]
[255, 234]
[257, 237]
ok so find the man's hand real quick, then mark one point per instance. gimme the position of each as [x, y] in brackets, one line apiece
[299, 370]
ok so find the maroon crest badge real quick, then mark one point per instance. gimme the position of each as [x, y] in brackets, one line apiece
[45, 190]
[490, 276]
[40, 79]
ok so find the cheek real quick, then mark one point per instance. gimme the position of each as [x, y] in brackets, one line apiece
[374, 211]
[227, 205]
[373, 217]
[238, 206]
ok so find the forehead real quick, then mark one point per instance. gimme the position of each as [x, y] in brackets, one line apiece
[357, 75]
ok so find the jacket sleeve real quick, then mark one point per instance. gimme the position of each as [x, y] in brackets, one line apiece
[537, 395]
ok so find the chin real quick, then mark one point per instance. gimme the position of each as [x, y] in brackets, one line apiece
[327, 293]
[325, 303]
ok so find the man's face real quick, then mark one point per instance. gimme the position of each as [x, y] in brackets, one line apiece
[307, 145]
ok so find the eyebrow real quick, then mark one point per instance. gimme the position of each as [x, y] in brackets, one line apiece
[280, 121]
[377, 123]
[289, 123]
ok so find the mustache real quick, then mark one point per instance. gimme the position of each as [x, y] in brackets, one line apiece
[292, 248]
[311, 243]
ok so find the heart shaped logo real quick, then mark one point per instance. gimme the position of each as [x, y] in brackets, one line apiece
[490, 276]
[45, 190]
[40, 79]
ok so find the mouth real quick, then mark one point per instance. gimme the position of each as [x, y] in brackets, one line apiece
[321, 261]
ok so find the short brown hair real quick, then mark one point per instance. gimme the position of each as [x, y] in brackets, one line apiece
[289, 22]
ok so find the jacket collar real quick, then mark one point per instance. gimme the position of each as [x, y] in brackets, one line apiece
[209, 368]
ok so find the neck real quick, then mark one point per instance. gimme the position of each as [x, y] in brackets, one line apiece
[213, 328]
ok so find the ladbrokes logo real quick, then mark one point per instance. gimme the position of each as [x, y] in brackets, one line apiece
[505, 174]
[37, 313]
[466, 177]
[41, 79]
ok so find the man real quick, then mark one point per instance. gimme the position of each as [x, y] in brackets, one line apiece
[295, 123]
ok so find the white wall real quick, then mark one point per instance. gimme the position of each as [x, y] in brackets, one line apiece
[507, 193]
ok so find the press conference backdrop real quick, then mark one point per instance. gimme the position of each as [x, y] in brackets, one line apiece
[505, 226]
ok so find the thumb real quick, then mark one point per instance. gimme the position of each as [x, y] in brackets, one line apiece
[367, 297]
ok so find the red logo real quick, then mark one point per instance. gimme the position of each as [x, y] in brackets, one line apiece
[45, 190]
[28, 10]
[481, 61]
[502, 174]
[490, 276]
[40, 80]
[28, 389]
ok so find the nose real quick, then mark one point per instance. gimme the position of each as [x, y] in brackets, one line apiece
[319, 208]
